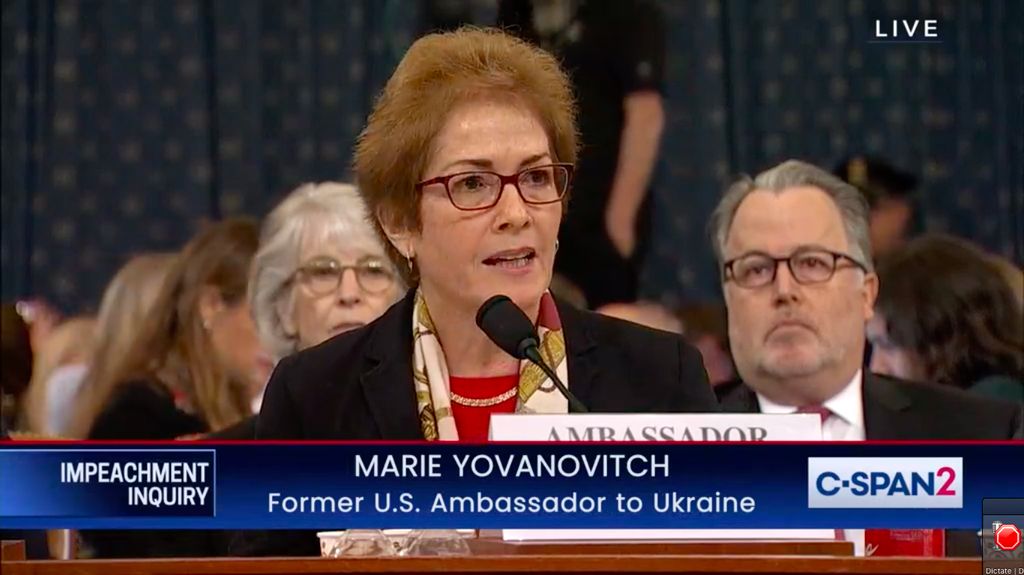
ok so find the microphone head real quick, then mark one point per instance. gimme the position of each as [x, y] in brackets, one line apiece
[507, 326]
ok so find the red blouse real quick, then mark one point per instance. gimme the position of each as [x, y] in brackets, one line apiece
[473, 423]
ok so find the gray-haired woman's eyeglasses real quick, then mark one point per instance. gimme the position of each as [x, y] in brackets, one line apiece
[323, 275]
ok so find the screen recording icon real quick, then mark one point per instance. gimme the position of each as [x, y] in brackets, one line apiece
[1005, 536]
[1002, 526]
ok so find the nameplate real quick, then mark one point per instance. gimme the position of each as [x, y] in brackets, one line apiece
[655, 427]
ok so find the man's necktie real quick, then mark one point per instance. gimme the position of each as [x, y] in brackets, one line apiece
[824, 413]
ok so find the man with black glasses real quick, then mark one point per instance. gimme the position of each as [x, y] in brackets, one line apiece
[794, 253]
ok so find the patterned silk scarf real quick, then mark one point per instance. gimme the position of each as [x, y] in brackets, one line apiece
[536, 392]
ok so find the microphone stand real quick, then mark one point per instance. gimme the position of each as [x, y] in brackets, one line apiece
[532, 353]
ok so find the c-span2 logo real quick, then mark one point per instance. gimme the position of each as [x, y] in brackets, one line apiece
[889, 482]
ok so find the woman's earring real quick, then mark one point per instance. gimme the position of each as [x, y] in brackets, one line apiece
[408, 260]
[556, 245]
[206, 325]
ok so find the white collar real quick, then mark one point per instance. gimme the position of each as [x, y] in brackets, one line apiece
[846, 404]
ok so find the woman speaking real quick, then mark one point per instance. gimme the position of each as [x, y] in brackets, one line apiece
[466, 164]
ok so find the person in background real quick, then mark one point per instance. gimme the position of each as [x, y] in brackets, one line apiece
[59, 367]
[699, 324]
[615, 54]
[125, 305]
[301, 291]
[320, 270]
[646, 313]
[197, 360]
[40, 317]
[15, 375]
[193, 368]
[946, 314]
[800, 288]
[16, 365]
[889, 192]
[706, 327]
[465, 163]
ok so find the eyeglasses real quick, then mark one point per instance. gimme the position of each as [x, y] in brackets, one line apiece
[807, 266]
[481, 190]
[323, 275]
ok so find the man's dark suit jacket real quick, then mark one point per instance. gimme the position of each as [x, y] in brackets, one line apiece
[359, 386]
[898, 409]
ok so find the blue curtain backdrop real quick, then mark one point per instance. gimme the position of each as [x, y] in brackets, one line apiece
[753, 83]
[128, 123]
[125, 124]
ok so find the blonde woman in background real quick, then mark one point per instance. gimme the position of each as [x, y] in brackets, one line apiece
[192, 369]
[126, 302]
[197, 357]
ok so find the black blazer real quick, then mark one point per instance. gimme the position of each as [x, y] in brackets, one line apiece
[359, 385]
[143, 409]
[899, 409]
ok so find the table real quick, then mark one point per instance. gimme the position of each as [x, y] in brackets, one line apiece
[494, 556]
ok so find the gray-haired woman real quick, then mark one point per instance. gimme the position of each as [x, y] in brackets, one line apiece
[321, 269]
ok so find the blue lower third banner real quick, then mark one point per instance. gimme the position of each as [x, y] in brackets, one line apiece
[504, 485]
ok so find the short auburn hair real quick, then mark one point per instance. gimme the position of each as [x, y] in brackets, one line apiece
[439, 72]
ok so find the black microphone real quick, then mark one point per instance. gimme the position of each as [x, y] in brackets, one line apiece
[510, 329]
